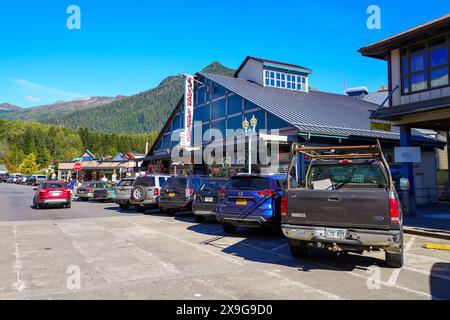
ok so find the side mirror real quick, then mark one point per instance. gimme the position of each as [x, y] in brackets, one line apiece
[404, 184]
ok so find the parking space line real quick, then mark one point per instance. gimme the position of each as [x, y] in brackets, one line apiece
[19, 284]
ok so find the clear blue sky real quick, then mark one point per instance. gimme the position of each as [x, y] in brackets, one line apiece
[125, 47]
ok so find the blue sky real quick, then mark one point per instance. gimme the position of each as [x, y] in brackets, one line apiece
[125, 47]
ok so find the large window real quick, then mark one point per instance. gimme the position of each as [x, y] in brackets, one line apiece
[219, 109]
[425, 67]
[285, 80]
[234, 104]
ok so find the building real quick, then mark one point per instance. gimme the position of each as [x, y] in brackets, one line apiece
[278, 95]
[419, 88]
[94, 168]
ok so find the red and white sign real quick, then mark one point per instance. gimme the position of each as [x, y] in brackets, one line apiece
[188, 109]
[77, 166]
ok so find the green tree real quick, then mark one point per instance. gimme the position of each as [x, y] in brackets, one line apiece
[29, 165]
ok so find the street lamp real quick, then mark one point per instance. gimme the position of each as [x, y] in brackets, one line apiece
[250, 128]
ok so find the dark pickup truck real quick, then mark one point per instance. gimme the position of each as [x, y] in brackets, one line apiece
[347, 202]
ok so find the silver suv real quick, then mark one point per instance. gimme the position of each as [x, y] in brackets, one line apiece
[122, 193]
[146, 191]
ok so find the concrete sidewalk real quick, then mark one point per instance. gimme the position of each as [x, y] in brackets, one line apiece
[430, 222]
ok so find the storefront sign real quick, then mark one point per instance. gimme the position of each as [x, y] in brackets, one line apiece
[188, 109]
[408, 155]
[381, 126]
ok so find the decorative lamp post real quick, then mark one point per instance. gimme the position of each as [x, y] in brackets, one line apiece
[250, 128]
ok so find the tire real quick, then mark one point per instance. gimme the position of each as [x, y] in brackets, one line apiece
[395, 260]
[141, 209]
[199, 219]
[299, 249]
[139, 193]
[228, 228]
[124, 206]
[69, 205]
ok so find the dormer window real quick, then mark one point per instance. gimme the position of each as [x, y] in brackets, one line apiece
[283, 80]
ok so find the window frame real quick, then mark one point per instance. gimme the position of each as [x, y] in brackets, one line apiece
[405, 52]
[296, 80]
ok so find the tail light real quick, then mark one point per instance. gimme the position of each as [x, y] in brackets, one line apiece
[284, 206]
[394, 210]
[156, 192]
[88, 189]
[43, 191]
[222, 192]
[345, 162]
[266, 193]
[189, 192]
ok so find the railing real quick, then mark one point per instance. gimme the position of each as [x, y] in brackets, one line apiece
[427, 196]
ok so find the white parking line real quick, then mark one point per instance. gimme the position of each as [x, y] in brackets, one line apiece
[396, 273]
[19, 284]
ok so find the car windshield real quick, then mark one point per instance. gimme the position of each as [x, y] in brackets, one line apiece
[176, 183]
[125, 183]
[145, 182]
[196, 183]
[42, 177]
[248, 183]
[212, 185]
[349, 175]
[54, 185]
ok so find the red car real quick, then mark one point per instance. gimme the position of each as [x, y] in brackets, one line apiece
[52, 194]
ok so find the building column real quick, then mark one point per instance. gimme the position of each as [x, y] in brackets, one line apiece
[408, 198]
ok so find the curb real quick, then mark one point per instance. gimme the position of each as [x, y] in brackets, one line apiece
[439, 234]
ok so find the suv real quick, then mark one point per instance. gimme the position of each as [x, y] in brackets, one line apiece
[122, 193]
[206, 199]
[86, 191]
[36, 180]
[251, 201]
[178, 193]
[146, 190]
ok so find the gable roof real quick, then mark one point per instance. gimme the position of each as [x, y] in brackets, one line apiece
[281, 64]
[313, 112]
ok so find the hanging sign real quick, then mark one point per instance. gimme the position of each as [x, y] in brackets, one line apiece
[188, 110]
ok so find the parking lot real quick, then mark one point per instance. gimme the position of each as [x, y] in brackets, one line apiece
[124, 255]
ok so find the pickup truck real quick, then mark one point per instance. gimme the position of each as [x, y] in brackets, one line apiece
[347, 202]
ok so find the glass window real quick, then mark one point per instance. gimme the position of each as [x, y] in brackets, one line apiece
[235, 123]
[260, 116]
[439, 77]
[219, 109]
[206, 132]
[438, 57]
[166, 141]
[220, 125]
[249, 106]
[418, 82]
[273, 122]
[234, 104]
[406, 84]
[202, 113]
[201, 96]
[176, 124]
[218, 91]
[418, 62]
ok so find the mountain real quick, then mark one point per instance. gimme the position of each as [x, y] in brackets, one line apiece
[9, 107]
[141, 113]
[46, 112]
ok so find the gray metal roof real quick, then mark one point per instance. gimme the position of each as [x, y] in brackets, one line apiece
[313, 112]
[375, 97]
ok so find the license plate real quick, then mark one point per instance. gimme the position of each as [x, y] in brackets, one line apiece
[241, 202]
[209, 199]
[55, 193]
[335, 233]
[171, 195]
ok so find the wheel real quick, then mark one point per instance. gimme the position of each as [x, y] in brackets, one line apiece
[124, 206]
[299, 249]
[395, 260]
[141, 209]
[228, 228]
[199, 218]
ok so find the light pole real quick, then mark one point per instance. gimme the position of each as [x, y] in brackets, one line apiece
[250, 128]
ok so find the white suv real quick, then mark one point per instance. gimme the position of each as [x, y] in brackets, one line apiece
[146, 191]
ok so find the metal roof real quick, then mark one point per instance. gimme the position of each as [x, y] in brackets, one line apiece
[375, 97]
[314, 112]
[277, 63]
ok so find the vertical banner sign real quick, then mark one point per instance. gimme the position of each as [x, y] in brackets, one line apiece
[188, 109]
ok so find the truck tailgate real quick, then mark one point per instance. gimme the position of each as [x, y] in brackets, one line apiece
[339, 208]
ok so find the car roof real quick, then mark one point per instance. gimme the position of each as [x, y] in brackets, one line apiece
[269, 176]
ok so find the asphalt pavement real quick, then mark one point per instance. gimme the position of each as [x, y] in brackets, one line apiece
[95, 251]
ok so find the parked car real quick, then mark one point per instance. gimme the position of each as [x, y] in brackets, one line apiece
[178, 193]
[16, 178]
[122, 193]
[24, 179]
[51, 194]
[103, 192]
[86, 191]
[36, 180]
[146, 191]
[206, 199]
[4, 177]
[251, 200]
[348, 203]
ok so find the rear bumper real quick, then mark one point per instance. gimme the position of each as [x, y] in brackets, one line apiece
[355, 237]
[174, 205]
[248, 221]
[85, 195]
[201, 209]
[49, 202]
[146, 202]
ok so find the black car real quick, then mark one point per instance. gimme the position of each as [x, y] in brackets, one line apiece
[178, 193]
[4, 177]
[206, 199]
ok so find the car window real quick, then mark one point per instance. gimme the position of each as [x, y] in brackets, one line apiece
[349, 175]
[162, 181]
[87, 185]
[145, 182]
[42, 177]
[282, 183]
[125, 183]
[247, 183]
[212, 185]
[54, 185]
[176, 183]
[196, 183]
